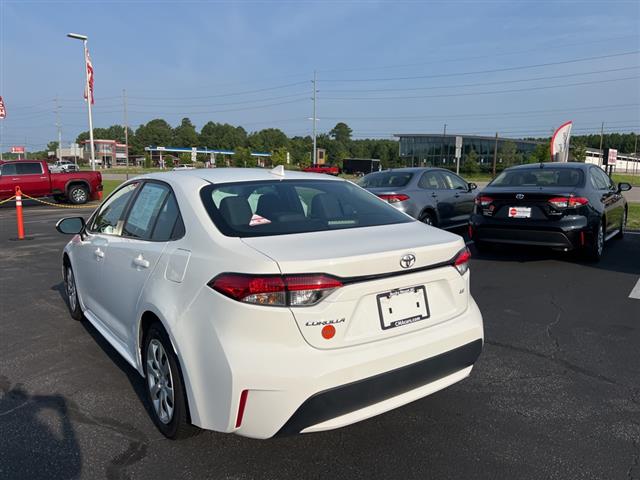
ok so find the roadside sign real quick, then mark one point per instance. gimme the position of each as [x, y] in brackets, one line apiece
[610, 156]
[193, 154]
[458, 147]
[17, 149]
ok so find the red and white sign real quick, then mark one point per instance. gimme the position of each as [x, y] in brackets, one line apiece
[560, 143]
[89, 76]
[17, 149]
[3, 110]
[612, 157]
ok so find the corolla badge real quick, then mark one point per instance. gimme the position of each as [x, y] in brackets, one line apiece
[519, 196]
[407, 261]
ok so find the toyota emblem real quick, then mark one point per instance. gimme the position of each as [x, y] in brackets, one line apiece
[520, 196]
[407, 260]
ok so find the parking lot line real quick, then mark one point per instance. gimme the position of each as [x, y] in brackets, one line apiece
[635, 293]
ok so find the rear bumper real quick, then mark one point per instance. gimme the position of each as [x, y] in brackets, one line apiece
[570, 232]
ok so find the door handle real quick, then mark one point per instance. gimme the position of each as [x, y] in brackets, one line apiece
[140, 261]
[99, 253]
[434, 195]
[457, 195]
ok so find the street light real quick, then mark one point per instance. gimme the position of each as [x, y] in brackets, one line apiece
[84, 39]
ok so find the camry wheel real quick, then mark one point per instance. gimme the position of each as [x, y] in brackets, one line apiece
[165, 390]
[72, 293]
[623, 223]
[78, 194]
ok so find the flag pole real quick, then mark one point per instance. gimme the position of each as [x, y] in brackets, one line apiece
[89, 99]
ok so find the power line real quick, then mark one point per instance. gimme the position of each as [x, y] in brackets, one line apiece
[515, 90]
[478, 72]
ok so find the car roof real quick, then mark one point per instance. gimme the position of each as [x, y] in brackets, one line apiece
[415, 170]
[550, 165]
[231, 175]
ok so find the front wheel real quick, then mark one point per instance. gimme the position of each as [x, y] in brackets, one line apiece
[428, 218]
[78, 194]
[165, 390]
[72, 293]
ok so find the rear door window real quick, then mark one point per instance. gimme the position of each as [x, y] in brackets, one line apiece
[28, 168]
[431, 181]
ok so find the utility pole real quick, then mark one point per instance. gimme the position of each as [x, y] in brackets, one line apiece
[59, 152]
[495, 156]
[601, 158]
[315, 158]
[635, 155]
[126, 127]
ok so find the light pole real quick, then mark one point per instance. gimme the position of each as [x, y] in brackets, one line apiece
[84, 39]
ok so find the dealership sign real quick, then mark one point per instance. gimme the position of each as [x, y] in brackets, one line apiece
[17, 149]
[610, 156]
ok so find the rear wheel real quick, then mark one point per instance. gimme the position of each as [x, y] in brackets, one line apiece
[78, 194]
[594, 251]
[623, 223]
[428, 218]
[165, 390]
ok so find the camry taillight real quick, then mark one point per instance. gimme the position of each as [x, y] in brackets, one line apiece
[394, 198]
[275, 290]
[484, 200]
[568, 202]
[461, 261]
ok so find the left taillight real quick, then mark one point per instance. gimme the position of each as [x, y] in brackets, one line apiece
[394, 198]
[568, 202]
[275, 290]
[461, 261]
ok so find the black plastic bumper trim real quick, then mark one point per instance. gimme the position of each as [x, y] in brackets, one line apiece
[360, 394]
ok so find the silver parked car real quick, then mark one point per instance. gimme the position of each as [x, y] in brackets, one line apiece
[434, 196]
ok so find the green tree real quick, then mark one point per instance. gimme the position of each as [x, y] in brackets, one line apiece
[157, 132]
[52, 146]
[185, 135]
[222, 136]
[541, 154]
[268, 140]
[279, 157]
[471, 164]
[243, 158]
[579, 151]
[341, 133]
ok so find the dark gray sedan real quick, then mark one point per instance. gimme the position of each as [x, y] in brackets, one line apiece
[434, 196]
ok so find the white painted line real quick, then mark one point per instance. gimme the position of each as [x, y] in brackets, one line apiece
[635, 293]
[627, 232]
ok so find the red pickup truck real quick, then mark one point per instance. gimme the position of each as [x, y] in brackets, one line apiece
[322, 168]
[36, 180]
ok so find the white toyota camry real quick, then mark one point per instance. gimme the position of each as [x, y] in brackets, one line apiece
[267, 303]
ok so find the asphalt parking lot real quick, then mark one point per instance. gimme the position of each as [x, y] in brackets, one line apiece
[555, 393]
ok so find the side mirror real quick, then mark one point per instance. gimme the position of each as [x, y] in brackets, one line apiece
[70, 225]
[472, 186]
[624, 187]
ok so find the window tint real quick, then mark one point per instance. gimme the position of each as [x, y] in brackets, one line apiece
[165, 228]
[431, 181]
[145, 210]
[251, 209]
[9, 169]
[386, 179]
[454, 182]
[107, 219]
[540, 177]
[28, 168]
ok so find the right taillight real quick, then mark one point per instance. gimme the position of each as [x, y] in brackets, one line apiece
[568, 202]
[301, 290]
[394, 198]
[461, 261]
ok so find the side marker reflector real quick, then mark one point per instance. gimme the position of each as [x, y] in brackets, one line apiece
[243, 403]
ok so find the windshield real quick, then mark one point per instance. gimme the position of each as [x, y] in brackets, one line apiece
[252, 209]
[540, 177]
[386, 179]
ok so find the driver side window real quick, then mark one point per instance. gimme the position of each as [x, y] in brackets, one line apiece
[108, 219]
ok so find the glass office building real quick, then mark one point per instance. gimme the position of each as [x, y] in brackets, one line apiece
[440, 150]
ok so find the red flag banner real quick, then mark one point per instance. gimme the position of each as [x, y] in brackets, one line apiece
[89, 76]
[3, 111]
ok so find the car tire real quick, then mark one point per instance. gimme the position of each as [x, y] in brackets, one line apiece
[164, 385]
[78, 194]
[623, 224]
[73, 300]
[593, 251]
[428, 218]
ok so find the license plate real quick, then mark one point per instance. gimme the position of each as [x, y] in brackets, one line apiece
[402, 307]
[520, 212]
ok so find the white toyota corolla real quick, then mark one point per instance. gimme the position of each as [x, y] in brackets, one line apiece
[269, 302]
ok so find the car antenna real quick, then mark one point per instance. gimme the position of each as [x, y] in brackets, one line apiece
[279, 170]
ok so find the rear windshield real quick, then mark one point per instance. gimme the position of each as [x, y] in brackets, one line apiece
[385, 179]
[272, 207]
[540, 177]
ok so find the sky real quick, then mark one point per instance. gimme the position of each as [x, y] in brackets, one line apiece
[516, 67]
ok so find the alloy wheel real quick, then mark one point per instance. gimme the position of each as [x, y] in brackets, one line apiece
[160, 381]
[79, 195]
[600, 240]
[72, 294]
